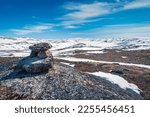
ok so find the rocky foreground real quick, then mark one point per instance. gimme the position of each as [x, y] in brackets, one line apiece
[61, 82]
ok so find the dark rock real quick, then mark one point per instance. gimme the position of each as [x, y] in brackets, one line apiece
[35, 65]
[40, 49]
[116, 71]
[40, 46]
[44, 54]
[34, 53]
[40, 59]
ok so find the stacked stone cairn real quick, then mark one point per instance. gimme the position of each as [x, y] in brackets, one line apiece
[40, 59]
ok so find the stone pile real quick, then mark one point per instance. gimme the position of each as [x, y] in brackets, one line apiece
[40, 59]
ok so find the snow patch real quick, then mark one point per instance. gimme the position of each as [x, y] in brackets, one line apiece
[72, 59]
[72, 65]
[124, 57]
[121, 82]
[95, 52]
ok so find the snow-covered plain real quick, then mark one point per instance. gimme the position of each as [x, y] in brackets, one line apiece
[19, 46]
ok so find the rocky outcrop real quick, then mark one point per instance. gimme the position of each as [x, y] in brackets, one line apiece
[40, 59]
[63, 82]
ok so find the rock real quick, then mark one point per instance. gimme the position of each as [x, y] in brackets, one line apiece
[63, 83]
[116, 71]
[4, 91]
[44, 54]
[40, 46]
[36, 65]
[40, 59]
[34, 53]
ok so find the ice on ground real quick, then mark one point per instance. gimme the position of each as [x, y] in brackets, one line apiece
[121, 82]
[72, 65]
[72, 59]
[124, 57]
[95, 52]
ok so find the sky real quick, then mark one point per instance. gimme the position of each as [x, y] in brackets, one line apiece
[59, 19]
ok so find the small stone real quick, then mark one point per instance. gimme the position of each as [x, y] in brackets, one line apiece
[117, 71]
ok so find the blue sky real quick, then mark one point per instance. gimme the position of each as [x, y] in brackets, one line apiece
[58, 19]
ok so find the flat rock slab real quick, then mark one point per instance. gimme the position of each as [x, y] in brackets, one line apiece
[35, 65]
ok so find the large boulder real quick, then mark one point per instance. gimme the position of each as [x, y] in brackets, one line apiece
[40, 59]
[35, 64]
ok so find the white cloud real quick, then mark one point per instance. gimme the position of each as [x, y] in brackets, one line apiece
[33, 29]
[76, 33]
[85, 13]
[34, 17]
[79, 13]
[71, 27]
[137, 4]
[76, 23]
[128, 30]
